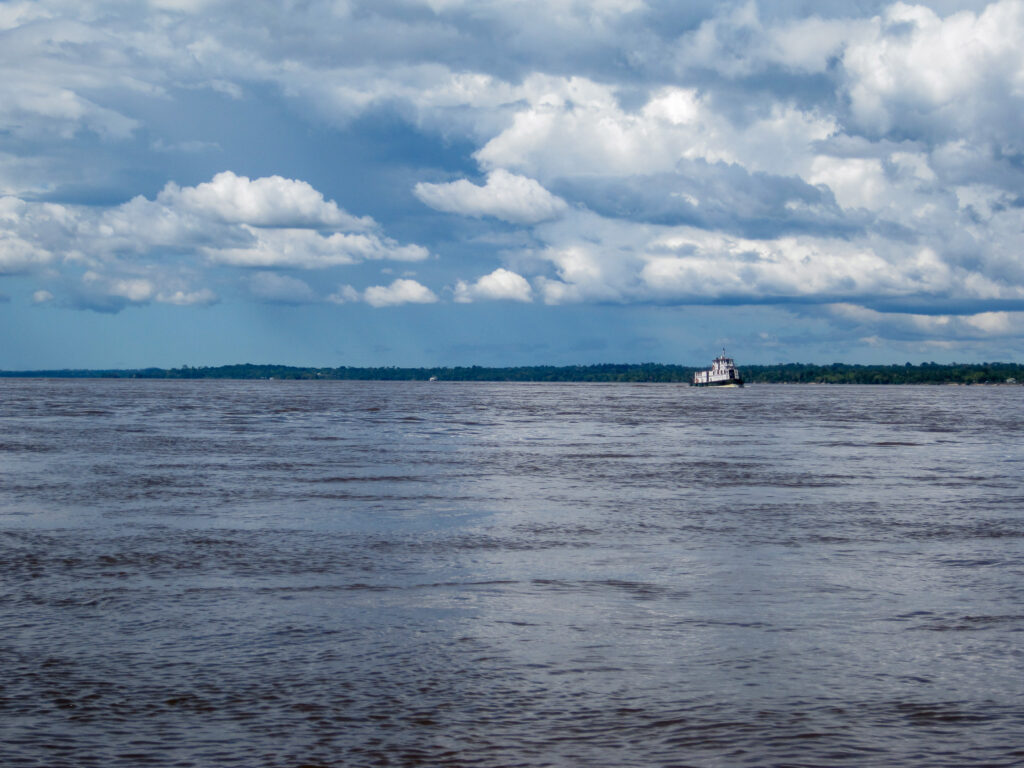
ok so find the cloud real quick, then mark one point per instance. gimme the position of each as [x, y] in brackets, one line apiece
[184, 6]
[280, 289]
[27, 108]
[505, 196]
[907, 326]
[26, 230]
[311, 250]
[42, 297]
[867, 154]
[600, 259]
[18, 255]
[157, 250]
[185, 147]
[233, 219]
[21, 176]
[15, 14]
[271, 201]
[577, 127]
[185, 298]
[938, 78]
[52, 85]
[737, 42]
[499, 284]
[345, 294]
[401, 291]
[720, 197]
[112, 293]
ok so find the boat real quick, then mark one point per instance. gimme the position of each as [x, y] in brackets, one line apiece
[722, 373]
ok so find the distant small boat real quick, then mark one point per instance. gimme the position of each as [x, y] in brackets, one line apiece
[722, 373]
[432, 378]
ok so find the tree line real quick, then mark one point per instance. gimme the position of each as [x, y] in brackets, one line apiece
[786, 373]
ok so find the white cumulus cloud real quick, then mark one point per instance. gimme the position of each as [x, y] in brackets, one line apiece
[598, 259]
[400, 291]
[345, 294]
[499, 284]
[271, 201]
[505, 196]
[579, 128]
[919, 72]
[146, 250]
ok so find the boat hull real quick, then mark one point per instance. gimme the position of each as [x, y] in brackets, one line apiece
[733, 384]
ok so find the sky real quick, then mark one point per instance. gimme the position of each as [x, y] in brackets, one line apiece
[510, 182]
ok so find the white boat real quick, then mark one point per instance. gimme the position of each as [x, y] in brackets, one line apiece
[722, 373]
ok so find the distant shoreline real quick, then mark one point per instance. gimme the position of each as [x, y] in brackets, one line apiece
[785, 373]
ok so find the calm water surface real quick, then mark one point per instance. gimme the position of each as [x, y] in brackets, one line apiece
[411, 574]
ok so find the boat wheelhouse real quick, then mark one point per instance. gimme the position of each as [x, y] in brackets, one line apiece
[722, 373]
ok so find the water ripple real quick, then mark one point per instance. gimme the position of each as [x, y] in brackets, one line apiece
[410, 574]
